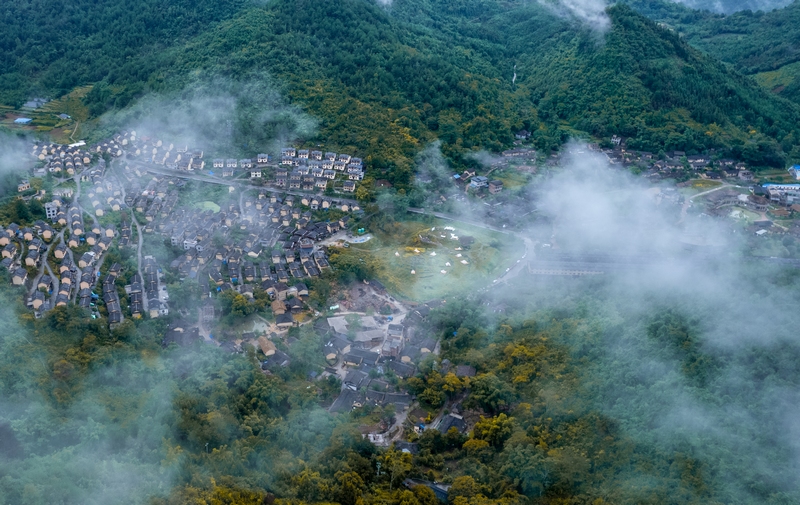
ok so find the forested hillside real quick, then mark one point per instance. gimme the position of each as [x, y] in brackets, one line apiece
[586, 397]
[387, 81]
[645, 83]
[761, 44]
[48, 47]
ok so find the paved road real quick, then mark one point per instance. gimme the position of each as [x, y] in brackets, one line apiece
[688, 201]
[457, 219]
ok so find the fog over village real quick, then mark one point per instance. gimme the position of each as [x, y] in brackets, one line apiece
[404, 252]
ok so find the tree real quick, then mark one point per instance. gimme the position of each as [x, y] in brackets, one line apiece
[349, 488]
[452, 384]
[310, 486]
[494, 430]
[491, 393]
[464, 487]
[397, 465]
[433, 397]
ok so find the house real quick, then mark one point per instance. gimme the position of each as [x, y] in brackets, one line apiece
[246, 163]
[335, 347]
[465, 371]
[38, 300]
[404, 370]
[522, 135]
[356, 379]
[265, 345]
[479, 181]
[452, 421]
[19, 277]
[358, 356]
[262, 158]
[51, 209]
[278, 307]
[347, 401]
[25, 185]
[231, 163]
[10, 250]
[284, 321]
[495, 186]
[255, 173]
[32, 259]
[278, 360]
[218, 163]
[758, 203]
[349, 186]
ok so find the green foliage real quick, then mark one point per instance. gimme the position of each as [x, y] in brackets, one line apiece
[50, 49]
[429, 71]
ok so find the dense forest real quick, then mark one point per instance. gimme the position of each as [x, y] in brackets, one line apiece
[762, 44]
[387, 81]
[585, 395]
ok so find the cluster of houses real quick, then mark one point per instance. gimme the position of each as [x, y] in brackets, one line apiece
[225, 252]
[149, 290]
[675, 162]
[72, 273]
[381, 346]
[302, 170]
[468, 178]
[25, 256]
[23, 249]
[254, 168]
[158, 152]
[306, 170]
[779, 199]
[61, 159]
[267, 241]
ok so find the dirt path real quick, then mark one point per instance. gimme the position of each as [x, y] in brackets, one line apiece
[688, 202]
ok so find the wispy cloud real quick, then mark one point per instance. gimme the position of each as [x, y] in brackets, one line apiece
[588, 12]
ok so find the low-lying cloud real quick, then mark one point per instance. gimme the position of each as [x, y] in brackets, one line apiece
[218, 114]
[591, 13]
[720, 388]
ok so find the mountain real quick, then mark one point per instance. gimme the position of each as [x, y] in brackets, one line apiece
[386, 81]
[764, 45]
[52, 46]
[731, 6]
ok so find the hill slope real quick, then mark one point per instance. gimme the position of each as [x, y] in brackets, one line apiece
[388, 81]
[766, 45]
[645, 82]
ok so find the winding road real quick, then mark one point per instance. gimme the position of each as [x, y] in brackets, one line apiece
[138, 232]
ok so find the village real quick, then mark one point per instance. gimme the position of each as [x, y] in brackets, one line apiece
[116, 206]
[110, 204]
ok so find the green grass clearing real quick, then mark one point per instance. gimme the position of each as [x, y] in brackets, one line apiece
[511, 178]
[403, 252]
[207, 205]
